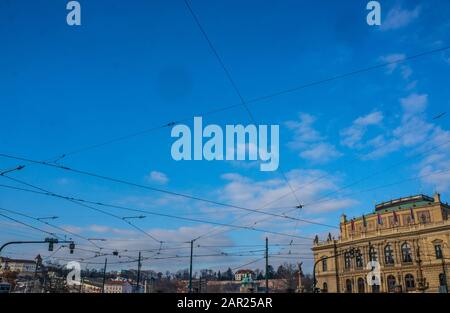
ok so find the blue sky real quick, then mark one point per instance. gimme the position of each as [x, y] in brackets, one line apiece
[134, 65]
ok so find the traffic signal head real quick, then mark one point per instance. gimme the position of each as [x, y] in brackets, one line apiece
[71, 247]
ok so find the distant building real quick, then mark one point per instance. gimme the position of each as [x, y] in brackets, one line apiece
[408, 237]
[23, 267]
[244, 273]
[118, 286]
[91, 287]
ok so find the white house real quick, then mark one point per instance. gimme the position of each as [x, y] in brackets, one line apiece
[241, 274]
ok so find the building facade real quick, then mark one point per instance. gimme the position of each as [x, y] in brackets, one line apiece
[244, 273]
[24, 267]
[118, 286]
[403, 246]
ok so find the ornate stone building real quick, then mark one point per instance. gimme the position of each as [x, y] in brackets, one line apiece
[408, 237]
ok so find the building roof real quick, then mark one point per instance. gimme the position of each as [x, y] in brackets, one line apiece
[3, 259]
[244, 271]
[406, 202]
[116, 282]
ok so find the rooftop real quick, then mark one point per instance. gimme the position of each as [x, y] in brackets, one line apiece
[3, 259]
[406, 202]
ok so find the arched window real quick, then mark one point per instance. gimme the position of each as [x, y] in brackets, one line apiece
[409, 282]
[391, 283]
[348, 286]
[359, 259]
[325, 288]
[388, 255]
[406, 253]
[373, 255]
[361, 285]
[347, 260]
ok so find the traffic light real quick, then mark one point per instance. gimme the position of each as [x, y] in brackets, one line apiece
[71, 247]
[51, 243]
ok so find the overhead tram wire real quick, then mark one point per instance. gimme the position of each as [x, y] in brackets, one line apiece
[269, 96]
[319, 200]
[151, 212]
[267, 204]
[232, 82]
[172, 193]
[51, 225]
[30, 226]
[264, 98]
[248, 263]
[255, 100]
[87, 206]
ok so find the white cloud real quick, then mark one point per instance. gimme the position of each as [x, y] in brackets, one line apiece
[392, 58]
[158, 177]
[413, 134]
[320, 153]
[308, 184]
[352, 136]
[414, 104]
[309, 141]
[397, 18]
[395, 62]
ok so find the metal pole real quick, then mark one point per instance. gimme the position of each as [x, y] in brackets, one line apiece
[190, 267]
[138, 272]
[104, 275]
[267, 265]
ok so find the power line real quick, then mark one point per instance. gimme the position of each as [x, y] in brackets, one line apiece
[177, 194]
[86, 206]
[358, 181]
[233, 83]
[151, 212]
[49, 224]
[259, 99]
[249, 263]
[29, 226]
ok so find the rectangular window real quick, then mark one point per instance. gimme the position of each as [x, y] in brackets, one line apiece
[324, 265]
[438, 250]
[347, 260]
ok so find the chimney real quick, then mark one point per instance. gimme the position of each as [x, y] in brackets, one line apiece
[437, 197]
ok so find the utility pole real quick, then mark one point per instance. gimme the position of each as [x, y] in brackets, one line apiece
[190, 267]
[104, 275]
[138, 272]
[267, 265]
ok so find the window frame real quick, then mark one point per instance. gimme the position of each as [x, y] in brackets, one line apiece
[409, 278]
[389, 254]
[406, 253]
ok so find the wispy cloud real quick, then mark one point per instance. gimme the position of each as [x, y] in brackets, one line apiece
[394, 60]
[398, 17]
[352, 136]
[158, 177]
[309, 141]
